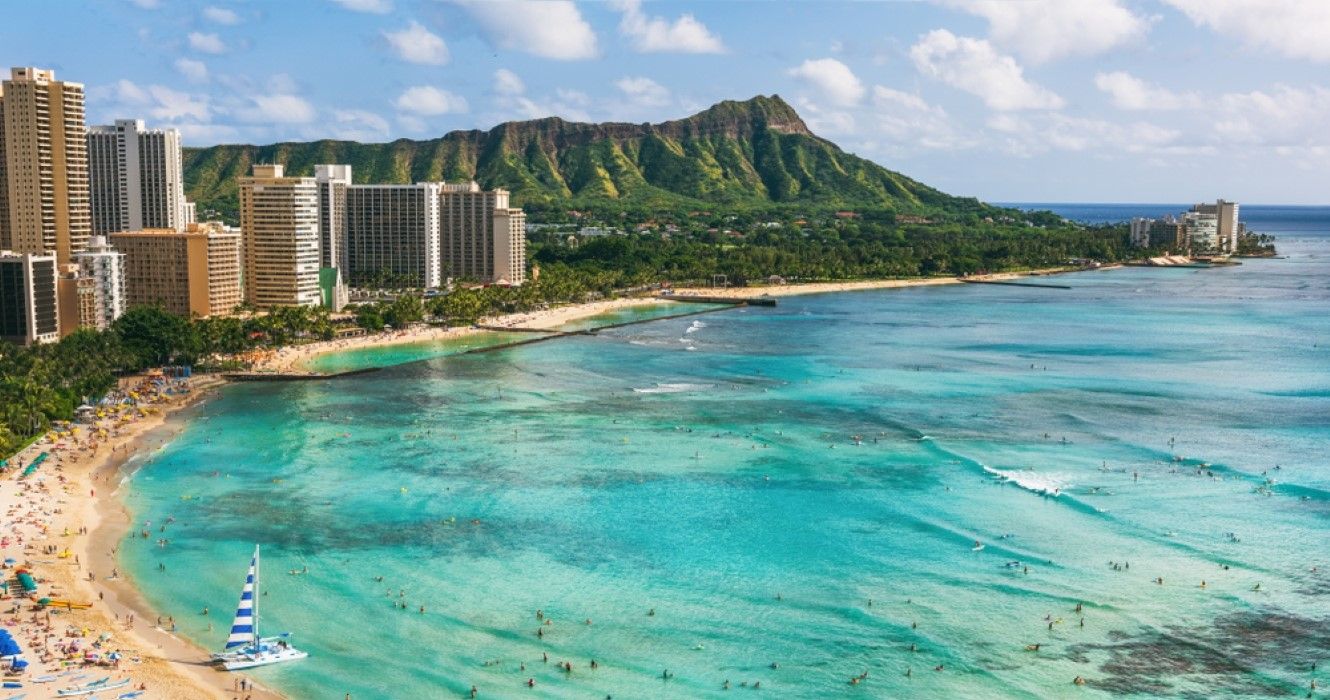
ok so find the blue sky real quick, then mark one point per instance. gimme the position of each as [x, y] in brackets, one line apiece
[1007, 100]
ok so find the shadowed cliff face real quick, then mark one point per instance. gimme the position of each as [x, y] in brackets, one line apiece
[757, 153]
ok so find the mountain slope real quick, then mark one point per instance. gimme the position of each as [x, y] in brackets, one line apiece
[757, 153]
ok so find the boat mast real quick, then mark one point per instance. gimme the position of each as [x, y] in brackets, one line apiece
[256, 599]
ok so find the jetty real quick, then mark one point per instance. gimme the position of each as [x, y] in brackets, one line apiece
[293, 376]
[732, 301]
[1010, 283]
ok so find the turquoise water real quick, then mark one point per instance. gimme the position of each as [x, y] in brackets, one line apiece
[705, 468]
[427, 349]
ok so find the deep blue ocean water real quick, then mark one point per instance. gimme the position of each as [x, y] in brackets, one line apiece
[800, 486]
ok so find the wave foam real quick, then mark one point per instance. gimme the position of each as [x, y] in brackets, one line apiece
[672, 388]
[696, 326]
[1035, 482]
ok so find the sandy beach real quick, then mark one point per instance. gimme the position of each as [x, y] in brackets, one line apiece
[66, 521]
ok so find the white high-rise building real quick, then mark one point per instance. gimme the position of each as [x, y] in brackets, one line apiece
[332, 181]
[392, 236]
[137, 178]
[106, 267]
[279, 221]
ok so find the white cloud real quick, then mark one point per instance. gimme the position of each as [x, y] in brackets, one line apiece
[507, 82]
[280, 109]
[1042, 30]
[1284, 116]
[822, 120]
[160, 102]
[194, 71]
[378, 7]
[358, 125]
[207, 43]
[643, 91]
[658, 35]
[221, 15]
[832, 78]
[416, 44]
[973, 65]
[1130, 92]
[1292, 28]
[428, 100]
[911, 123]
[550, 29]
[1026, 136]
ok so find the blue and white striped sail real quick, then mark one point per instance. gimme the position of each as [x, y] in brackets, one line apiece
[243, 628]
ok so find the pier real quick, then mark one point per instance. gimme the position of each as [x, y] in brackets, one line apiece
[1005, 283]
[732, 301]
[293, 376]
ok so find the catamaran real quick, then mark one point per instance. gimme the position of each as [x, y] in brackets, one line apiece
[245, 648]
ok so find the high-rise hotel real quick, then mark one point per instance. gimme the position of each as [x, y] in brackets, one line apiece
[43, 165]
[392, 236]
[279, 222]
[483, 239]
[136, 177]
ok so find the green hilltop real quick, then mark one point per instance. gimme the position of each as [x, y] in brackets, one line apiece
[756, 154]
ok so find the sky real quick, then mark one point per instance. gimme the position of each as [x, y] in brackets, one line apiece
[1006, 100]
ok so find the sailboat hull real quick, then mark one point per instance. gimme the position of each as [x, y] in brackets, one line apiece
[249, 658]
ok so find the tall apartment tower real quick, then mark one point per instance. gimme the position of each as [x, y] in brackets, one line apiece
[44, 165]
[279, 221]
[477, 235]
[29, 312]
[392, 236]
[105, 266]
[332, 181]
[136, 178]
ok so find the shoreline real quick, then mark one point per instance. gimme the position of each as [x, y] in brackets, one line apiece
[173, 666]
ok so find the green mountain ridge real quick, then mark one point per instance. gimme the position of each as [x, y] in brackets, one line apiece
[756, 154]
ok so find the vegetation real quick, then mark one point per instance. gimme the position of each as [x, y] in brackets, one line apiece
[754, 155]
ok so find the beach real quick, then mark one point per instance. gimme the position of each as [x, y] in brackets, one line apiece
[67, 521]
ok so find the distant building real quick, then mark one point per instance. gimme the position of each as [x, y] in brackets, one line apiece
[43, 166]
[332, 289]
[76, 299]
[392, 236]
[104, 266]
[194, 273]
[1202, 231]
[1226, 224]
[482, 238]
[1168, 233]
[136, 177]
[29, 312]
[279, 221]
[332, 181]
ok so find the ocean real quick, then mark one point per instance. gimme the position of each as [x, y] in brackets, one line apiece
[1129, 474]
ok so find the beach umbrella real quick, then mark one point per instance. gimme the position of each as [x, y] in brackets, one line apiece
[9, 647]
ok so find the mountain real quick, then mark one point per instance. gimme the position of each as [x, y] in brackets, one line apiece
[757, 154]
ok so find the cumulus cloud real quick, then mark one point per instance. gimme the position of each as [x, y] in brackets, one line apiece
[427, 100]
[206, 43]
[643, 91]
[659, 35]
[160, 102]
[833, 79]
[1292, 28]
[910, 123]
[279, 109]
[358, 125]
[1042, 30]
[194, 71]
[1282, 117]
[377, 7]
[507, 82]
[1130, 92]
[1054, 131]
[416, 44]
[550, 29]
[973, 65]
[221, 15]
